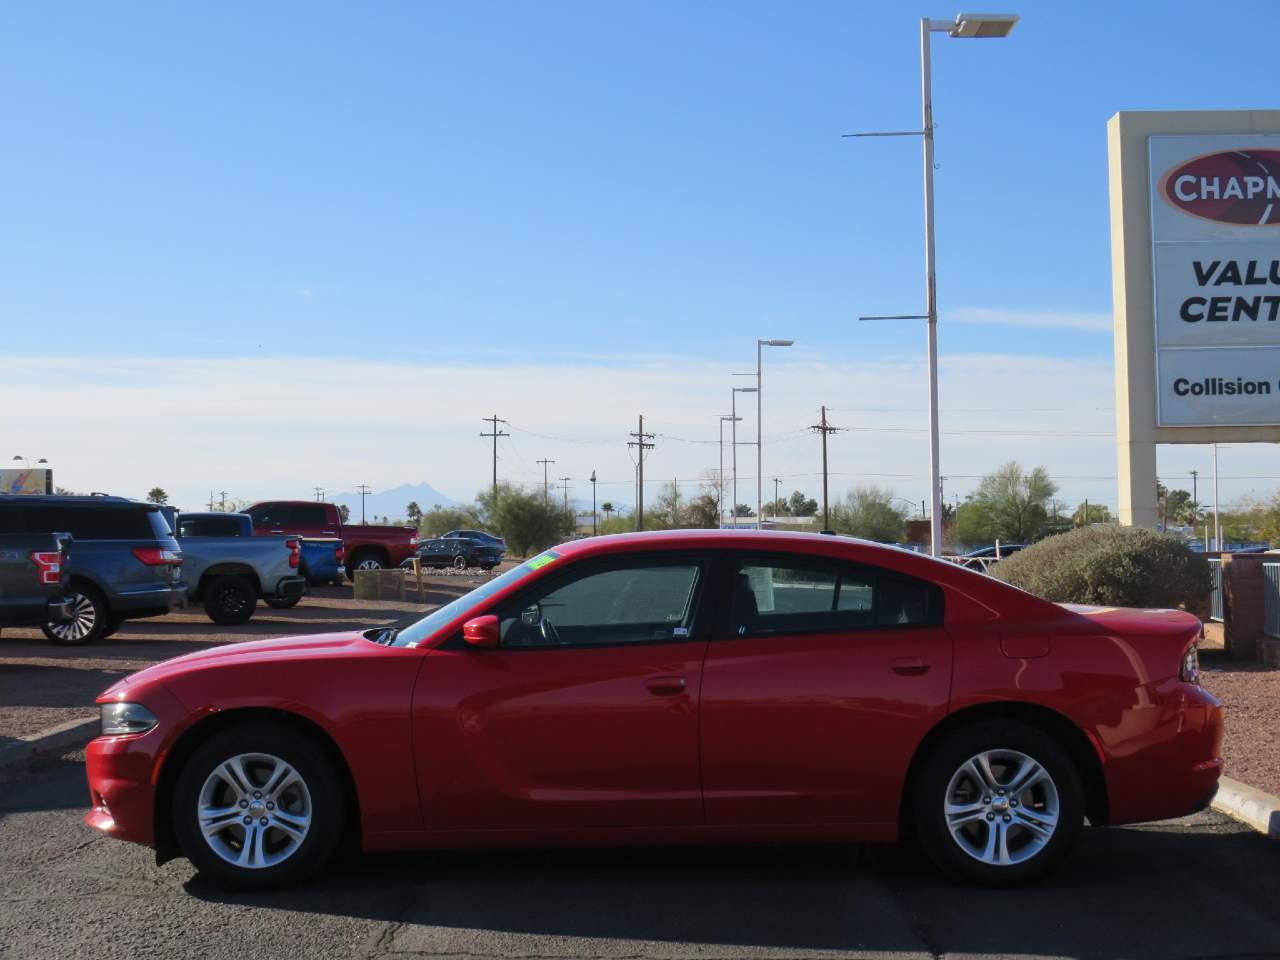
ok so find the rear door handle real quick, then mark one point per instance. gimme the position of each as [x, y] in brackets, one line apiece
[277, 531]
[909, 666]
[666, 686]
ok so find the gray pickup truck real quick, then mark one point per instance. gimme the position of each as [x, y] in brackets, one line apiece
[33, 575]
[228, 569]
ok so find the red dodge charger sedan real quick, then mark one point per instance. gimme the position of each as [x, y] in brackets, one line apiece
[695, 686]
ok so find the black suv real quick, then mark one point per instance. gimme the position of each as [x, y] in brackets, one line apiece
[123, 563]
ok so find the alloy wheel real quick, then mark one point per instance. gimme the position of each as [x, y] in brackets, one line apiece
[84, 617]
[368, 564]
[254, 810]
[1001, 807]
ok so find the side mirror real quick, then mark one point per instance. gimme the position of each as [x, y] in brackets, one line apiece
[481, 632]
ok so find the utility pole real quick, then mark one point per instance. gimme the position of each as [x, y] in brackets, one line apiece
[824, 428]
[565, 481]
[675, 512]
[224, 500]
[594, 527]
[211, 501]
[495, 433]
[641, 444]
[364, 491]
[1195, 502]
[777, 495]
[319, 494]
[545, 496]
[1217, 525]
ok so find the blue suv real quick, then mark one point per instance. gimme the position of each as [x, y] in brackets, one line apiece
[123, 563]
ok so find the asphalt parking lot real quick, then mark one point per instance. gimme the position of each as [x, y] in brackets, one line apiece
[1195, 888]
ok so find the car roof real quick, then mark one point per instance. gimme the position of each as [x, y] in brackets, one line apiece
[72, 500]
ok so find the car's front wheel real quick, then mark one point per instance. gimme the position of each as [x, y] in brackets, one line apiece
[998, 802]
[258, 805]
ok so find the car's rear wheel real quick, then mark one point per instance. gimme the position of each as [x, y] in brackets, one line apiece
[230, 600]
[283, 603]
[90, 618]
[997, 803]
[258, 805]
[363, 561]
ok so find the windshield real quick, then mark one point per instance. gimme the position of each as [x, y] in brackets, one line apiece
[413, 635]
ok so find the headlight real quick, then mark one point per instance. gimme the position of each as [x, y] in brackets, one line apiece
[1190, 669]
[121, 718]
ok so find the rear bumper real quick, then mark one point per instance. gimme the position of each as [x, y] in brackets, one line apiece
[58, 610]
[291, 587]
[151, 600]
[1170, 760]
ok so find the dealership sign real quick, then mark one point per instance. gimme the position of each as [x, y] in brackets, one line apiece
[1215, 230]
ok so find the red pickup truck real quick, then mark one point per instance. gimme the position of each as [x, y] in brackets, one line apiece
[367, 546]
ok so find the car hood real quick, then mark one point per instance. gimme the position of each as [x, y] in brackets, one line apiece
[313, 646]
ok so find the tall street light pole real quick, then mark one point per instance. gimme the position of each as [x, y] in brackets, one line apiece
[760, 345]
[733, 507]
[965, 26]
[594, 526]
[720, 485]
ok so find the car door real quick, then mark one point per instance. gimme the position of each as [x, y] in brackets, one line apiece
[820, 682]
[585, 715]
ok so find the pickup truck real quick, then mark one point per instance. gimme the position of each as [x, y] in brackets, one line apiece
[228, 568]
[32, 577]
[368, 546]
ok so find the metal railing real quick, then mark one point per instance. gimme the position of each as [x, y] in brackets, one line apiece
[1271, 599]
[1215, 589]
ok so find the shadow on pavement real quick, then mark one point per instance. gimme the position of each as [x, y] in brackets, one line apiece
[1126, 892]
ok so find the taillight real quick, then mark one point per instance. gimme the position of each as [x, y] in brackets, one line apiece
[49, 566]
[295, 552]
[341, 553]
[157, 556]
[1189, 671]
[414, 540]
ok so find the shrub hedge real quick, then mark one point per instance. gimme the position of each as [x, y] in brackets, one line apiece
[1111, 565]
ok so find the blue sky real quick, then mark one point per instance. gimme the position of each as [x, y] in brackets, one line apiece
[574, 186]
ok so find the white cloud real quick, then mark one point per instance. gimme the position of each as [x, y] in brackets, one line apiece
[1031, 319]
[278, 427]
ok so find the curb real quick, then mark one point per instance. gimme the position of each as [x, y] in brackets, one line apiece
[67, 734]
[1251, 806]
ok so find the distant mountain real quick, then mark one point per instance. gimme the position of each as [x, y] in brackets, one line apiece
[391, 503]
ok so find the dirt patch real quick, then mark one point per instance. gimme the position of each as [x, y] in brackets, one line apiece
[1251, 692]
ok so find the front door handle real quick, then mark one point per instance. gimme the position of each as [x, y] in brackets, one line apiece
[277, 531]
[909, 666]
[666, 686]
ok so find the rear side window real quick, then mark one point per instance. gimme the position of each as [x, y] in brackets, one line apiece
[304, 516]
[785, 596]
[98, 522]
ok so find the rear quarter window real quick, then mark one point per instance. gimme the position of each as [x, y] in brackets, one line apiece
[100, 522]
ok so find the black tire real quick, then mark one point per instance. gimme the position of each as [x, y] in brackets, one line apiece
[995, 812]
[230, 600]
[459, 562]
[91, 622]
[282, 603]
[324, 803]
[366, 560]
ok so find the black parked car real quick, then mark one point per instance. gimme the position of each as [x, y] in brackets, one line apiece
[481, 536]
[459, 553]
[124, 562]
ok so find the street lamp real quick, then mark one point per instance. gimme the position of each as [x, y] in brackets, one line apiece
[594, 525]
[733, 509]
[760, 345]
[27, 460]
[723, 418]
[965, 26]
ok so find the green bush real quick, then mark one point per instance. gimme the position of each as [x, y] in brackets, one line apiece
[1111, 566]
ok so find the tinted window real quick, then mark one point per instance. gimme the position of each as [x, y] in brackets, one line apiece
[10, 519]
[632, 604]
[97, 522]
[811, 597]
[209, 527]
[276, 515]
[304, 516]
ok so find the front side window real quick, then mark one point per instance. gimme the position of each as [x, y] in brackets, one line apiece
[645, 603]
[785, 597]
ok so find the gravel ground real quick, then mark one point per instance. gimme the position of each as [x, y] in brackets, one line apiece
[1251, 692]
